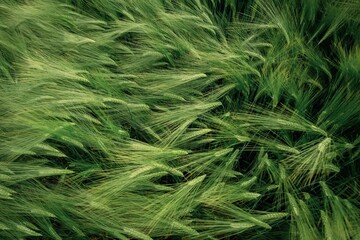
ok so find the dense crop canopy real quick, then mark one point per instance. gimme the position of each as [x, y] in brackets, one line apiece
[179, 119]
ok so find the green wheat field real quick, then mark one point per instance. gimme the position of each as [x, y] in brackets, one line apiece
[180, 119]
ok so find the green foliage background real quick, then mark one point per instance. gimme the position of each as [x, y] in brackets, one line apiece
[179, 119]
